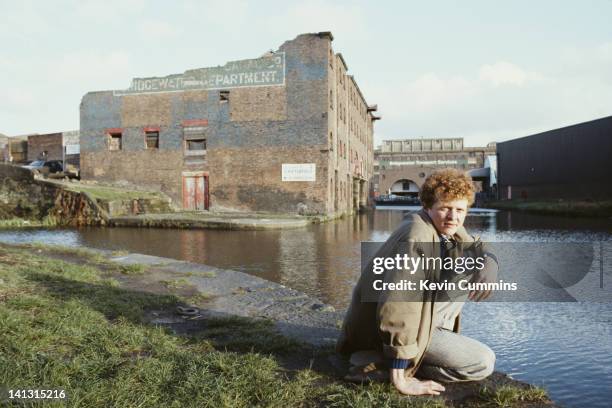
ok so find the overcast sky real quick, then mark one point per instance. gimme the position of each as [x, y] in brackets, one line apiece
[482, 70]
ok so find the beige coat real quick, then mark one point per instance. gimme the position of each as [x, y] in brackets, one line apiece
[398, 328]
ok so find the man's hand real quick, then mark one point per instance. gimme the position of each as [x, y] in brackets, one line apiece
[412, 386]
[488, 274]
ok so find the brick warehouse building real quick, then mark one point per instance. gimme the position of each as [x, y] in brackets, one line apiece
[401, 166]
[287, 132]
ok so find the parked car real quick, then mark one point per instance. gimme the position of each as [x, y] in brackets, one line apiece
[45, 166]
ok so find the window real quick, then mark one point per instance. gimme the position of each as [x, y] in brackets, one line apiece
[224, 96]
[152, 140]
[196, 144]
[331, 100]
[195, 140]
[114, 141]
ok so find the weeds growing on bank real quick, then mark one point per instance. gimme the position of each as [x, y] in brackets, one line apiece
[46, 222]
[507, 396]
[113, 193]
[70, 326]
[133, 269]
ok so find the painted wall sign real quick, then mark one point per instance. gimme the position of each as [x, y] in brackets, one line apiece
[426, 162]
[73, 149]
[265, 71]
[299, 172]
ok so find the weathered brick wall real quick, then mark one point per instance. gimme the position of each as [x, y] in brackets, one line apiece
[249, 137]
[350, 136]
[159, 170]
[256, 104]
[51, 143]
[143, 110]
[251, 180]
[16, 173]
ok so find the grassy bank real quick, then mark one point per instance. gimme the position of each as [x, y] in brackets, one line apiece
[106, 193]
[66, 322]
[557, 207]
[46, 222]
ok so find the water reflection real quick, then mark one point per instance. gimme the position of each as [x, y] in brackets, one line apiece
[322, 260]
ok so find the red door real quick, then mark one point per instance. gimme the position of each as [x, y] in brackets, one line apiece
[195, 192]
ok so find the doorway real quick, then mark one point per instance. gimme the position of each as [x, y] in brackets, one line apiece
[195, 191]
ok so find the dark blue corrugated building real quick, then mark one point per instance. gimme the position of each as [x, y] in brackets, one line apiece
[574, 162]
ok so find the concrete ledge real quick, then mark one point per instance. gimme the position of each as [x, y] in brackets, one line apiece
[225, 221]
[203, 222]
[230, 292]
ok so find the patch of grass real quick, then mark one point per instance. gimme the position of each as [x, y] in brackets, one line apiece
[118, 253]
[202, 274]
[197, 299]
[63, 327]
[292, 298]
[113, 193]
[176, 283]
[509, 396]
[17, 223]
[85, 253]
[241, 334]
[133, 269]
[375, 395]
[23, 223]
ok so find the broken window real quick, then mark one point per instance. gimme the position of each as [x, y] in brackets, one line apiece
[152, 140]
[196, 144]
[224, 96]
[195, 140]
[114, 142]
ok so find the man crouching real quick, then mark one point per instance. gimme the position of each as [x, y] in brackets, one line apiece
[415, 342]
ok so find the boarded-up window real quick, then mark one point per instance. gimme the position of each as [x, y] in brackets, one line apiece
[195, 140]
[152, 140]
[114, 142]
[196, 144]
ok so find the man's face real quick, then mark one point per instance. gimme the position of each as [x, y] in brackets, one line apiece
[448, 216]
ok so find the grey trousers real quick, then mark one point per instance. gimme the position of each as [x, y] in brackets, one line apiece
[451, 357]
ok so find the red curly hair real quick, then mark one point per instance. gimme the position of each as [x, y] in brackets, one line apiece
[447, 185]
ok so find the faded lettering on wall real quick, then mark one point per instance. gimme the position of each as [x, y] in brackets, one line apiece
[268, 70]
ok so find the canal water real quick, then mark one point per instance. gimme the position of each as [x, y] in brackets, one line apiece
[565, 347]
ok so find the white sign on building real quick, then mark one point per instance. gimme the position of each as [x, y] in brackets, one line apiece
[73, 149]
[299, 172]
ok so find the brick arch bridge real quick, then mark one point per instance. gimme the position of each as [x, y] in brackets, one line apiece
[415, 174]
